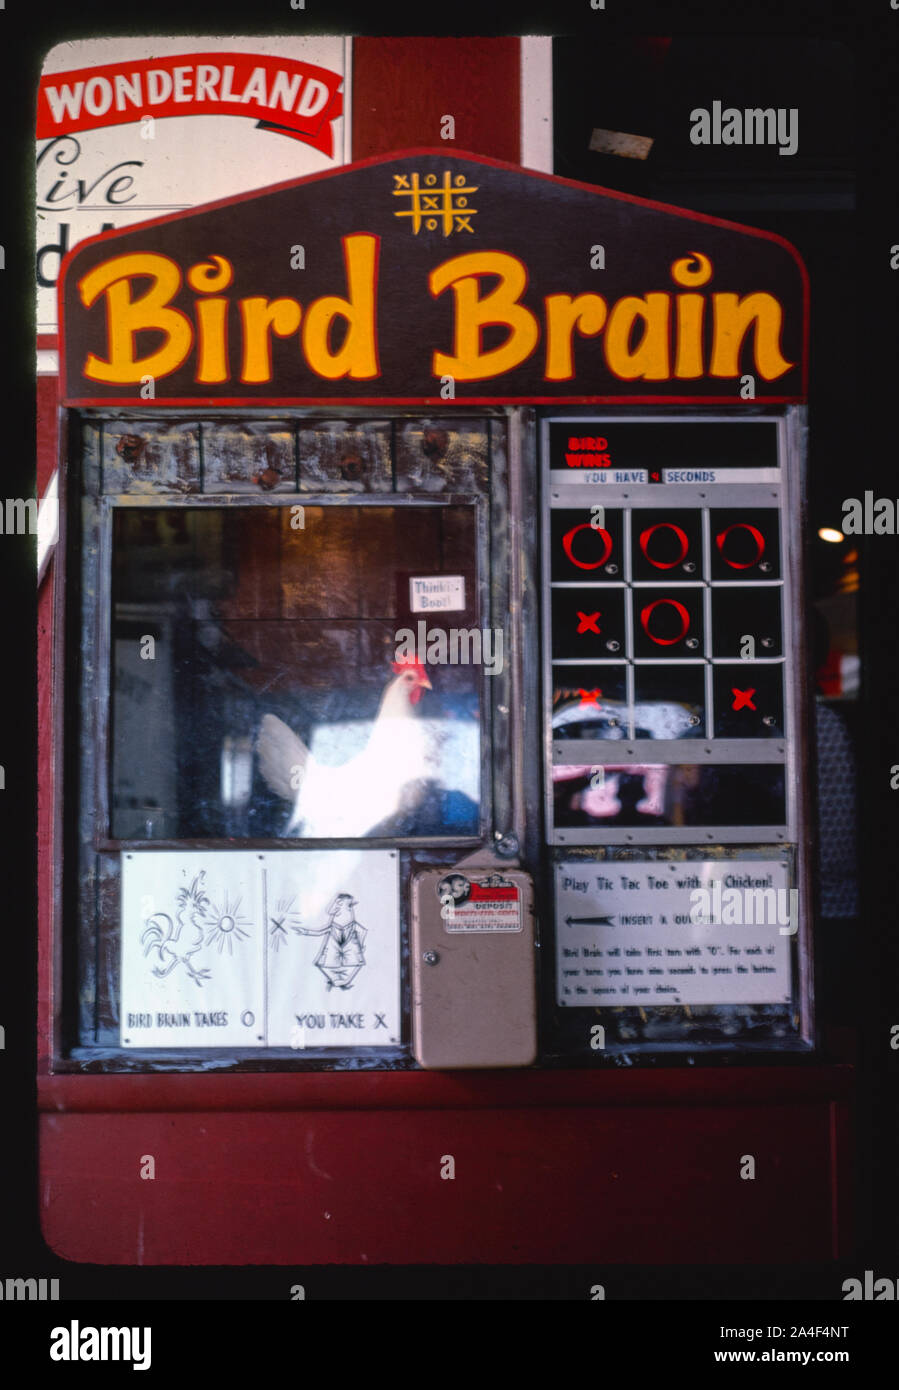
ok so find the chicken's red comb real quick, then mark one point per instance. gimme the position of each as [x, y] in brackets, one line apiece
[410, 663]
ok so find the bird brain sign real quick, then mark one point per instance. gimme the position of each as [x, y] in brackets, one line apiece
[428, 277]
[242, 949]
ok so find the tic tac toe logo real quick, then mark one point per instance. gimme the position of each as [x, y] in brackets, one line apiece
[434, 204]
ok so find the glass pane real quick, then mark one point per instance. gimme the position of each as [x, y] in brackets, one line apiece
[666, 544]
[586, 545]
[669, 702]
[589, 702]
[749, 700]
[669, 795]
[257, 690]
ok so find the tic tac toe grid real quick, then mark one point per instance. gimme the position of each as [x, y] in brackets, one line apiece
[670, 551]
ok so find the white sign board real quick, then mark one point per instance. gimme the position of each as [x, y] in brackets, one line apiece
[289, 948]
[631, 933]
[137, 128]
[437, 593]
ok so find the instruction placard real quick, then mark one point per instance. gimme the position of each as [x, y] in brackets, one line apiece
[655, 933]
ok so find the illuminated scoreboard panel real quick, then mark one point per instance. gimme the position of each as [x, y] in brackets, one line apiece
[673, 731]
[669, 683]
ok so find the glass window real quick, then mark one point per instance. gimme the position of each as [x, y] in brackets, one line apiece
[265, 673]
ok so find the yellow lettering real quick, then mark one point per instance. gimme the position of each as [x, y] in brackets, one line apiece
[586, 313]
[281, 316]
[733, 318]
[500, 306]
[212, 344]
[688, 352]
[649, 359]
[126, 317]
[692, 270]
[358, 355]
[205, 278]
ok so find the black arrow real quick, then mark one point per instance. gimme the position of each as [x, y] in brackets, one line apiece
[589, 921]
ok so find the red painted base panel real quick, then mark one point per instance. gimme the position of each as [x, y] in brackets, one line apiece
[539, 1185]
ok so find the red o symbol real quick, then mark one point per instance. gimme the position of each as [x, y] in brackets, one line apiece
[568, 539]
[646, 537]
[684, 616]
[756, 535]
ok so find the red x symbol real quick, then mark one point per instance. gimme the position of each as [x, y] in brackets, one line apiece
[743, 697]
[589, 622]
[589, 697]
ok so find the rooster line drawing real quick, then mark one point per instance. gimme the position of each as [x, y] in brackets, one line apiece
[163, 935]
[389, 777]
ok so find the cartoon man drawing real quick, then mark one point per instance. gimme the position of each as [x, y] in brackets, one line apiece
[342, 955]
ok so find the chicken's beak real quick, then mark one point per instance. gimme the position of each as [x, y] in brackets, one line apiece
[424, 682]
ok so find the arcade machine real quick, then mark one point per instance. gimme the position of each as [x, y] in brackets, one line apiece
[431, 824]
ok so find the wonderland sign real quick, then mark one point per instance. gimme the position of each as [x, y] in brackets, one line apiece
[429, 277]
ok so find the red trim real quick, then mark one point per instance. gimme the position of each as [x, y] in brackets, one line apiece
[419, 152]
[49, 340]
[413, 1090]
[260, 403]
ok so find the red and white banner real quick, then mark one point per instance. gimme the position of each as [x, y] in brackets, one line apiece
[299, 99]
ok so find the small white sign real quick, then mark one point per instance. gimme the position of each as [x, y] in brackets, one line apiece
[440, 593]
[611, 477]
[721, 475]
[632, 933]
[288, 948]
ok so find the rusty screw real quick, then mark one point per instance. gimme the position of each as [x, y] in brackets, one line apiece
[434, 444]
[351, 468]
[130, 447]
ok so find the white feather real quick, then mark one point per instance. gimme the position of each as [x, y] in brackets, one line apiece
[343, 802]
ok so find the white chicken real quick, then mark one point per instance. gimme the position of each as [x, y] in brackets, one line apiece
[386, 779]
